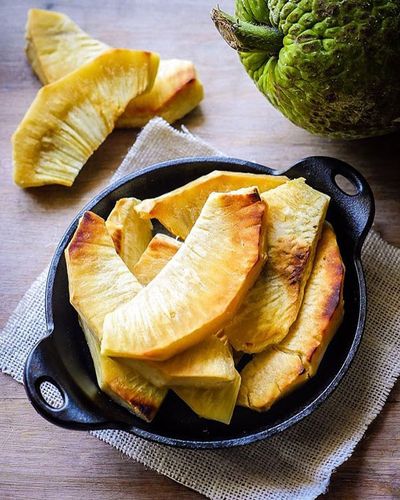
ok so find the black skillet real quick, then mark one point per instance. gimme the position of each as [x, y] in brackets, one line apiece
[62, 358]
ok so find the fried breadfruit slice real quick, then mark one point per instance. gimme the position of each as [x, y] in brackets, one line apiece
[123, 384]
[294, 221]
[98, 282]
[269, 376]
[200, 288]
[273, 373]
[130, 233]
[208, 363]
[177, 90]
[57, 46]
[212, 403]
[69, 119]
[323, 307]
[179, 209]
[159, 251]
[98, 279]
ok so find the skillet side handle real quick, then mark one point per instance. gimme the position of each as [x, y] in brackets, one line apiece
[357, 209]
[76, 411]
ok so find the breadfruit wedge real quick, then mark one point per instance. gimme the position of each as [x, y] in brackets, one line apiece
[122, 384]
[269, 376]
[159, 251]
[130, 233]
[70, 118]
[98, 279]
[322, 310]
[208, 363]
[177, 90]
[57, 46]
[98, 282]
[178, 210]
[273, 373]
[212, 403]
[294, 221]
[200, 288]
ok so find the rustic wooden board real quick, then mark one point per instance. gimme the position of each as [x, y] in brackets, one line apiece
[39, 460]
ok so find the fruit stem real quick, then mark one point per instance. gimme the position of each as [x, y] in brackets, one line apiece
[247, 37]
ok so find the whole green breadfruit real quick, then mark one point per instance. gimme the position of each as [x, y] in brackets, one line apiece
[331, 67]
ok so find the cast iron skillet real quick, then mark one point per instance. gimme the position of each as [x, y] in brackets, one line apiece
[62, 358]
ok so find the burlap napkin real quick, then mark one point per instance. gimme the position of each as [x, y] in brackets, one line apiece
[299, 462]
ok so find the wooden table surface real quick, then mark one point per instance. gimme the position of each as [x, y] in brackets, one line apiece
[39, 460]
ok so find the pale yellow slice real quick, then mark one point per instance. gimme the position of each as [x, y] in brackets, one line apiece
[212, 403]
[178, 210]
[57, 46]
[209, 363]
[294, 221]
[98, 279]
[158, 253]
[323, 307]
[98, 282]
[200, 288]
[177, 90]
[123, 384]
[278, 370]
[130, 233]
[69, 119]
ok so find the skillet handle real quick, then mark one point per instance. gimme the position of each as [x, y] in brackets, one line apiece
[356, 210]
[76, 411]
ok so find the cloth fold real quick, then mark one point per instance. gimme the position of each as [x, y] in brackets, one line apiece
[297, 463]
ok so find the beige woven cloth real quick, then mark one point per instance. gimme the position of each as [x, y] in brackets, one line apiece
[298, 463]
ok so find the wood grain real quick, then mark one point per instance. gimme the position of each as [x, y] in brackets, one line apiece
[39, 460]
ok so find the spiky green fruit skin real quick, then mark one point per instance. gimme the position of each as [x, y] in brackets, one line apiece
[338, 72]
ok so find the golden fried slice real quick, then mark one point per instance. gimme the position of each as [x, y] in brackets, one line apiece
[178, 210]
[212, 403]
[98, 282]
[130, 233]
[209, 363]
[177, 90]
[57, 46]
[69, 119]
[275, 372]
[200, 288]
[160, 250]
[98, 279]
[322, 310]
[294, 220]
[123, 384]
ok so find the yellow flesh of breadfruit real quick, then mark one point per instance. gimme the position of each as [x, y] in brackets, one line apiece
[57, 46]
[208, 363]
[278, 370]
[98, 282]
[130, 233]
[122, 384]
[178, 210]
[322, 310]
[177, 90]
[70, 118]
[212, 403]
[200, 289]
[160, 250]
[294, 221]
